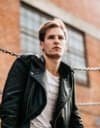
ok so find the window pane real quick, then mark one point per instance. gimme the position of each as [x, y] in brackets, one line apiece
[29, 45]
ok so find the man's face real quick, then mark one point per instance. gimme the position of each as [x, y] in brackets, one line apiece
[54, 44]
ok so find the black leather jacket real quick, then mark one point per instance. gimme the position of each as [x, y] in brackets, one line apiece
[24, 95]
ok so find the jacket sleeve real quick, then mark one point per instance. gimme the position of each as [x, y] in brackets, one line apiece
[75, 120]
[12, 95]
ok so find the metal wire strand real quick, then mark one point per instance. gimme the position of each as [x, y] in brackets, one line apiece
[89, 104]
[87, 68]
[8, 52]
[74, 68]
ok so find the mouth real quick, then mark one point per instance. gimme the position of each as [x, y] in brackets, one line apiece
[57, 48]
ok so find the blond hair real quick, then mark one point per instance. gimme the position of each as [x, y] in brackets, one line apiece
[51, 24]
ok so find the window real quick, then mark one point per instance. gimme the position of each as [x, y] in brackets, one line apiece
[31, 19]
[30, 23]
[75, 56]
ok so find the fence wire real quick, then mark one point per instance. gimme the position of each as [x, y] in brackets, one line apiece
[74, 68]
[8, 52]
[89, 104]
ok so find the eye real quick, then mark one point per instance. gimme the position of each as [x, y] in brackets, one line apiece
[61, 37]
[51, 37]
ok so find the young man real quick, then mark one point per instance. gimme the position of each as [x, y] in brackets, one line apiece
[39, 91]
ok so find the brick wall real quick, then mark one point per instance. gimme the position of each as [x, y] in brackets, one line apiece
[88, 10]
[92, 93]
[9, 35]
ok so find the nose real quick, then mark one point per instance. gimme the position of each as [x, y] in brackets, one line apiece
[56, 41]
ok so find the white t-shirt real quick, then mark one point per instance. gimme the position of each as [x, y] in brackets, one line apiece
[52, 84]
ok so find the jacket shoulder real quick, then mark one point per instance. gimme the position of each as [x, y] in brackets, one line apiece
[66, 67]
[26, 59]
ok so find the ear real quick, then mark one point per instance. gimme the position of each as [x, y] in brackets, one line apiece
[42, 45]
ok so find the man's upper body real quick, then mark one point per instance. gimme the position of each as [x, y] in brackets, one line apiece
[26, 97]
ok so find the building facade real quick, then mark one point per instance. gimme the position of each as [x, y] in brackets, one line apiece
[19, 23]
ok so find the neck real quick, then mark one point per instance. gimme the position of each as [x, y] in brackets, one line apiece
[52, 65]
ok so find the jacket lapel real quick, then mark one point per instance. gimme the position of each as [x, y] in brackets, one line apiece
[37, 70]
[38, 76]
[64, 89]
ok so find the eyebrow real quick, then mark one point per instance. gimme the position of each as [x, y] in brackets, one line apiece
[52, 35]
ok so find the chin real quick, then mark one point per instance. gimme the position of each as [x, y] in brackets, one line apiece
[54, 56]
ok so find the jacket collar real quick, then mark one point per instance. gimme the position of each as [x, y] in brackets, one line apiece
[38, 68]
